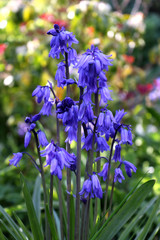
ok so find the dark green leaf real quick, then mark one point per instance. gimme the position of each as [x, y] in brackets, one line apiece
[37, 197]
[131, 225]
[149, 222]
[51, 224]
[125, 213]
[35, 226]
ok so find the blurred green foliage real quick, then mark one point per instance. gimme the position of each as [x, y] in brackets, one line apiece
[133, 39]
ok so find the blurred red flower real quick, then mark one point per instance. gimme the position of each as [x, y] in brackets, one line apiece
[144, 88]
[129, 59]
[3, 47]
[50, 18]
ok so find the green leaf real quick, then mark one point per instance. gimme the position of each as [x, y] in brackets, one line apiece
[11, 226]
[154, 232]
[2, 237]
[108, 231]
[99, 224]
[149, 222]
[25, 230]
[64, 209]
[129, 227]
[9, 230]
[51, 224]
[37, 197]
[35, 226]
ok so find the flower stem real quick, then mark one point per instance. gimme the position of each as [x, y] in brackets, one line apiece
[34, 162]
[108, 175]
[43, 184]
[78, 176]
[111, 197]
[97, 155]
[68, 150]
[59, 183]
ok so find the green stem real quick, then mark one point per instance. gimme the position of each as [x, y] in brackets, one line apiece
[97, 200]
[108, 175]
[34, 162]
[111, 197]
[90, 163]
[68, 150]
[47, 230]
[97, 155]
[78, 175]
[84, 207]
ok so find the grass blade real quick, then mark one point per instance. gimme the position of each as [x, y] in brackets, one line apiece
[2, 237]
[149, 222]
[108, 231]
[52, 224]
[37, 197]
[11, 227]
[131, 225]
[34, 224]
[25, 230]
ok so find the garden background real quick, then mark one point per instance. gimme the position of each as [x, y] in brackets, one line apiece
[129, 30]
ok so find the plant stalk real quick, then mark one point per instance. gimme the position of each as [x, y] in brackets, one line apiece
[108, 175]
[78, 175]
[111, 197]
[47, 230]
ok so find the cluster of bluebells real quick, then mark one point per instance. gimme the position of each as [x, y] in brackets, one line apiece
[98, 129]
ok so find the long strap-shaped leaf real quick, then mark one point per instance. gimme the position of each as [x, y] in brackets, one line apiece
[35, 226]
[2, 237]
[149, 222]
[37, 197]
[124, 235]
[125, 213]
[11, 226]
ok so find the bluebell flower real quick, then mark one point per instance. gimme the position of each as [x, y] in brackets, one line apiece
[42, 93]
[68, 112]
[47, 107]
[88, 142]
[91, 187]
[128, 167]
[16, 159]
[61, 41]
[102, 144]
[118, 117]
[57, 158]
[42, 138]
[91, 66]
[32, 119]
[27, 139]
[126, 135]
[72, 133]
[72, 56]
[104, 171]
[117, 153]
[31, 127]
[61, 76]
[65, 105]
[35, 118]
[85, 113]
[105, 94]
[118, 175]
[97, 190]
[87, 188]
[105, 122]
